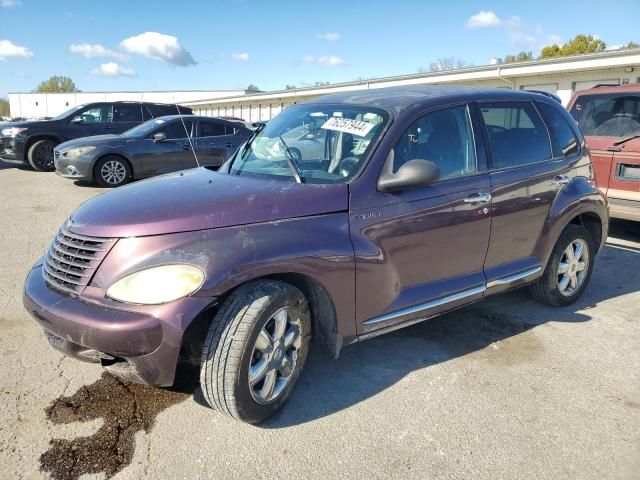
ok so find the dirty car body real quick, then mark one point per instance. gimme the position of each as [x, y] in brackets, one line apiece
[371, 248]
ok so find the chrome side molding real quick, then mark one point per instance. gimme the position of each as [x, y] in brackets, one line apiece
[425, 306]
[514, 278]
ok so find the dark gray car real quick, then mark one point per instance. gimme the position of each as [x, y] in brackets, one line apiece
[158, 146]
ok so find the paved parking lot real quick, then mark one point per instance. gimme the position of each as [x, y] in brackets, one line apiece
[504, 389]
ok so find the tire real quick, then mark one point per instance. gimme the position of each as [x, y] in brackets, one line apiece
[235, 344]
[112, 171]
[40, 155]
[549, 287]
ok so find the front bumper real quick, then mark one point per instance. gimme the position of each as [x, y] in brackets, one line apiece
[143, 347]
[9, 151]
[77, 168]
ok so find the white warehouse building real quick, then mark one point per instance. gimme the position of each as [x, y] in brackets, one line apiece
[43, 105]
[561, 76]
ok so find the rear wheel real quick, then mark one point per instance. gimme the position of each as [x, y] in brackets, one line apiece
[255, 349]
[569, 268]
[112, 171]
[40, 155]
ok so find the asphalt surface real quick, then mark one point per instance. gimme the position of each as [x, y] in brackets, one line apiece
[506, 388]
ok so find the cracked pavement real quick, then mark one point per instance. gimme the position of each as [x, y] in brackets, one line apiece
[506, 388]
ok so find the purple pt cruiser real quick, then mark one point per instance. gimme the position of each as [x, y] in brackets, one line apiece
[343, 218]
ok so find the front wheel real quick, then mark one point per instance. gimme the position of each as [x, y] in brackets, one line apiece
[40, 155]
[112, 171]
[255, 349]
[569, 268]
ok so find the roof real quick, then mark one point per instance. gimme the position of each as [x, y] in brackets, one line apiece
[396, 99]
[628, 87]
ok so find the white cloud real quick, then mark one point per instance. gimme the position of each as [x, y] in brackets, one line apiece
[240, 56]
[112, 69]
[327, 60]
[329, 36]
[10, 49]
[158, 46]
[484, 19]
[10, 3]
[95, 51]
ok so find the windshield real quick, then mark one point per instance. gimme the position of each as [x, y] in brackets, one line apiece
[68, 112]
[317, 143]
[608, 114]
[144, 128]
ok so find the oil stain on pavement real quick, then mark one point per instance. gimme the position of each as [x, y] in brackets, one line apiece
[126, 409]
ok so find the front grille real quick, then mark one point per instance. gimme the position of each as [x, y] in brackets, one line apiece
[72, 259]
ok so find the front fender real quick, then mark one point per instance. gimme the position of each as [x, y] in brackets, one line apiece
[576, 198]
[317, 247]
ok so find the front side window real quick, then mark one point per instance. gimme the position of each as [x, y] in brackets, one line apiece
[608, 114]
[318, 143]
[211, 129]
[516, 132]
[127, 112]
[97, 114]
[176, 130]
[563, 139]
[444, 137]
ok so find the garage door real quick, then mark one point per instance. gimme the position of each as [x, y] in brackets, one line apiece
[543, 87]
[592, 83]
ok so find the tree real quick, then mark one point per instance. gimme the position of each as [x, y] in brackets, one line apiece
[579, 44]
[520, 57]
[629, 46]
[444, 64]
[4, 107]
[57, 84]
[253, 88]
[290, 87]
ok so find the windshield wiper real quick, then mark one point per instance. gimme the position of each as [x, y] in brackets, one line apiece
[293, 166]
[625, 140]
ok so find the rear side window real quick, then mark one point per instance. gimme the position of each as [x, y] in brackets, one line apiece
[158, 110]
[563, 139]
[176, 130]
[444, 137]
[211, 129]
[127, 112]
[608, 114]
[517, 134]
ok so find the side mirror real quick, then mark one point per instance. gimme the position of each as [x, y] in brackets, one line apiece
[159, 137]
[77, 120]
[414, 173]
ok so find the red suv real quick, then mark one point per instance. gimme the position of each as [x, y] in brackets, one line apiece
[609, 117]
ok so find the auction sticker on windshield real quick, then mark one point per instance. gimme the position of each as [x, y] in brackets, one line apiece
[347, 125]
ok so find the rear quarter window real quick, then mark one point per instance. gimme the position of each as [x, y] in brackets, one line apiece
[517, 134]
[563, 139]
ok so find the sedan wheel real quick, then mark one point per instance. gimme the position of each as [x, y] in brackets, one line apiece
[112, 171]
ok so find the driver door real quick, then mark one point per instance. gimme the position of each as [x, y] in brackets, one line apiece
[172, 154]
[421, 251]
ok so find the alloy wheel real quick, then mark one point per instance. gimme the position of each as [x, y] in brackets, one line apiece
[44, 155]
[573, 267]
[275, 356]
[113, 172]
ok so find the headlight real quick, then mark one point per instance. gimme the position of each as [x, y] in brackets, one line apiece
[157, 285]
[12, 131]
[76, 152]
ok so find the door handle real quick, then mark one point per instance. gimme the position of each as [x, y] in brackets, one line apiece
[477, 198]
[561, 180]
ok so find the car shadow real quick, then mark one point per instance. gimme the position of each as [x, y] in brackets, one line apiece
[365, 369]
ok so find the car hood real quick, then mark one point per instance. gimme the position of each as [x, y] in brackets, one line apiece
[200, 199]
[95, 141]
[25, 123]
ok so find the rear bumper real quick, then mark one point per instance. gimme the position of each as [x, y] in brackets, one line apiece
[141, 347]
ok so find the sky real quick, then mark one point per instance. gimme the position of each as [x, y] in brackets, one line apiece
[228, 44]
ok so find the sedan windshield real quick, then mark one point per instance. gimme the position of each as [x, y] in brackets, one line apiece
[311, 143]
[144, 128]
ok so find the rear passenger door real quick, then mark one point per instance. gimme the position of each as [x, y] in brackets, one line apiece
[126, 116]
[526, 174]
[214, 141]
